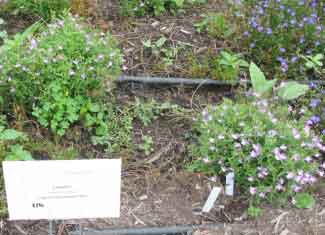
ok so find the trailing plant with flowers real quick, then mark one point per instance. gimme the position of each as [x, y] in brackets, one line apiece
[54, 72]
[280, 33]
[274, 155]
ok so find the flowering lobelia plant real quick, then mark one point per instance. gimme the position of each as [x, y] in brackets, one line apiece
[273, 155]
[279, 31]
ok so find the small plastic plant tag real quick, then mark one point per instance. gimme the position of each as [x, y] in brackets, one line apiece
[230, 178]
[214, 194]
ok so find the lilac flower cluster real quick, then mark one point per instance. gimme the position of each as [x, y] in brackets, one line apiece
[279, 31]
[271, 154]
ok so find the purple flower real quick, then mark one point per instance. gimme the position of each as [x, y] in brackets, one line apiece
[279, 155]
[290, 175]
[315, 119]
[256, 151]
[312, 85]
[269, 31]
[314, 103]
[262, 172]
[252, 190]
[296, 188]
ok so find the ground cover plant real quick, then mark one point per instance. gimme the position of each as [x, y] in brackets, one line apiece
[44, 9]
[279, 33]
[273, 153]
[60, 74]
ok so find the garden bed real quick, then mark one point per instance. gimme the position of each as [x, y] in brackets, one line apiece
[155, 126]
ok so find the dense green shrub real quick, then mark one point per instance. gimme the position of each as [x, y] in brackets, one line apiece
[55, 72]
[45, 9]
[155, 7]
[279, 33]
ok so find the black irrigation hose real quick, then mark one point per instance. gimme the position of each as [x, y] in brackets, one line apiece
[194, 81]
[151, 230]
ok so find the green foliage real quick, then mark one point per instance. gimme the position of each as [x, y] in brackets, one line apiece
[146, 112]
[10, 144]
[155, 7]
[261, 143]
[276, 33]
[45, 9]
[227, 66]
[147, 145]
[292, 90]
[215, 25]
[314, 63]
[259, 82]
[254, 212]
[304, 201]
[54, 72]
[17, 153]
[286, 91]
[161, 51]
[111, 127]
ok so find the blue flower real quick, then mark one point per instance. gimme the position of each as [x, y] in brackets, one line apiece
[314, 103]
[315, 119]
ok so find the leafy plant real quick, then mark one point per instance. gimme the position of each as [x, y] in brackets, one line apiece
[276, 33]
[228, 66]
[148, 111]
[155, 47]
[314, 62]
[215, 25]
[147, 145]
[53, 72]
[45, 9]
[287, 90]
[304, 201]
[10, 147]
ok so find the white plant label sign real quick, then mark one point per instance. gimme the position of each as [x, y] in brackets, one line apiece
[230, 181]
[71, 189]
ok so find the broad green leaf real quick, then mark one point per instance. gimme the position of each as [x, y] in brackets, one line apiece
[292, 90]
[260, 84]
[161, 42]
[304, 201]
[147, 43]
[17, 153]
[11, 134]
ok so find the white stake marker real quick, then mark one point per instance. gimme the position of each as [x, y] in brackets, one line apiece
[230, 181]
[214, 194]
